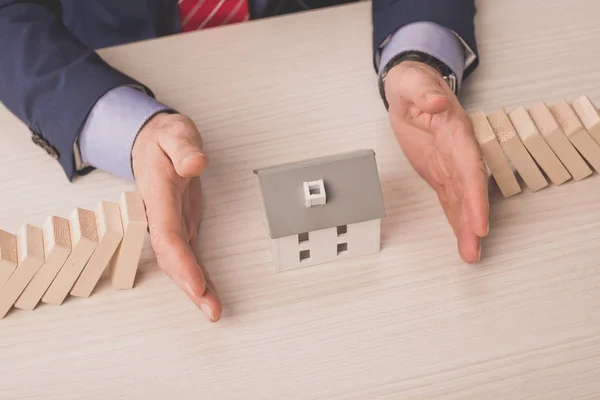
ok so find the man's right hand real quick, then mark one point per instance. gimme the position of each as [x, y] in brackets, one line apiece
[167, 161]
[436, 136]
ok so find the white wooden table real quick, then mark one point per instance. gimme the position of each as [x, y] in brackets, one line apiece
[411, 322]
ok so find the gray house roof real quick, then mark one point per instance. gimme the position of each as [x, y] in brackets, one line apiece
[351, 184]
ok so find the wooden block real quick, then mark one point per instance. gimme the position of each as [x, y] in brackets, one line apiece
[8, 256]
[30, 249]
[84, 239]
[572, 127]
[110, 234]
[589, 115]
[494, 156]
[57, 247]
[558, 141]
[515, 150]
[537, 146]
[125, 262]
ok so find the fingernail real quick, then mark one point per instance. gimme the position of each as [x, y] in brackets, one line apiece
[207, 312]
[192, 156]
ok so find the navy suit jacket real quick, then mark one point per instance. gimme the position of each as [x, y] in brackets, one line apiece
[51, 77]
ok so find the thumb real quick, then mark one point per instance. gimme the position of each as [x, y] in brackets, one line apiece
[181, 142]
[420, 85]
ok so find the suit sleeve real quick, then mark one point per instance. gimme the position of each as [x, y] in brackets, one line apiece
[48, 78]
[456, 15]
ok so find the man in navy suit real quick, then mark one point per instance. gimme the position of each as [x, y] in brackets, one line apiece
[88, 115]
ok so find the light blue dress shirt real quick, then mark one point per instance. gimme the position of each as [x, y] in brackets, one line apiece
[107, 137]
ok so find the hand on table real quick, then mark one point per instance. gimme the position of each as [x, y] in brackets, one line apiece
[167, 160]
[436, 136]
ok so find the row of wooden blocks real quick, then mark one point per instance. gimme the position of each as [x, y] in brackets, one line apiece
[562, 140]
[70, 255]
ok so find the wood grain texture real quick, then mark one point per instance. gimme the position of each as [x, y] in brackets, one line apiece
[8, 256]
[588, 114]
[537, 146]
[57, 247]
[84, 240]
[413, 322]
[124, 264]
[494, 156]
[30, 247]
[515, 151]
[110, 234]
[558, 141]
[570, 124]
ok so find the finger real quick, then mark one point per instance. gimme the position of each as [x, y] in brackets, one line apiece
[209, 303]
[181, 142]
[451, 198]
[180, 264]
[174, 255]
[192, 206]
[476, 194]
[468, 242]
[450, 205]
[422, 86]
[473, 177]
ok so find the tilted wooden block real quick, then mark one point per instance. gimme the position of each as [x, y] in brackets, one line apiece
[57, 247]
[558, 141]
[84, 239]
[494, 156]
[537, 146]
[572, 127]
[589, 115]
[515, 150]
[110, 234]
[8, 256]
[30, 247]
[124, 264]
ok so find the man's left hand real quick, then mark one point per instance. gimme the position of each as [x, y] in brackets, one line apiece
[167, 161]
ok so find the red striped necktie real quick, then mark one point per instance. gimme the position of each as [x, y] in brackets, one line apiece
[202, 14]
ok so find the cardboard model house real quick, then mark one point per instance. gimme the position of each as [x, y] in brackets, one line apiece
[323, 209]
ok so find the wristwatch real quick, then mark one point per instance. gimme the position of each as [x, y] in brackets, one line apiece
[413, 55]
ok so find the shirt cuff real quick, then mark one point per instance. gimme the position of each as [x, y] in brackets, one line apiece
[107, 137]
[430, 38]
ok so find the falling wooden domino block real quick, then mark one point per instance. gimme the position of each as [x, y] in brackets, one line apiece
[84, 239]
[30, 248]
[110, 234]
[515, 150]
[589, 115]
[494, 156]
[57, 247]
[125, 262]
[537, 146]
[8, 256]
[572, 127]
[558, 141]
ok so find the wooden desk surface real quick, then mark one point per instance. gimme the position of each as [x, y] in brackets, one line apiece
[411, 322]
